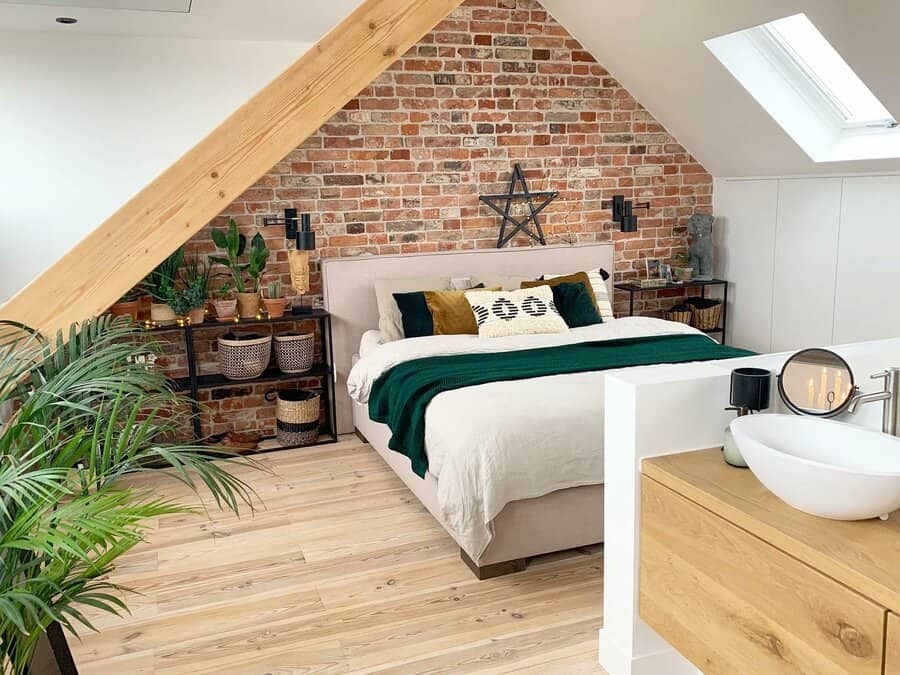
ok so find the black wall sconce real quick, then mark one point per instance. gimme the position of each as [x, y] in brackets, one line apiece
[299, 230]
[622, 212]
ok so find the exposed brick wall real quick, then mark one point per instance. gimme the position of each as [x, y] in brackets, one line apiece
[400, 168]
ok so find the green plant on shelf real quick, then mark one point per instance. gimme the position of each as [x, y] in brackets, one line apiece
[160, 283]
[223, 292]
[87, 412]
[274, 290]
[234, 244]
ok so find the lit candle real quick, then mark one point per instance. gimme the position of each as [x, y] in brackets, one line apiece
[811, 393]
[823, 389]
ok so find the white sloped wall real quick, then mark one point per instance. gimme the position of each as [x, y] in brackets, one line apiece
[86, 121]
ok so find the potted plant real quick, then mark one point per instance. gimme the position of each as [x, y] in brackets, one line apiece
[224, 303]
[274, 300]
[234, 244]
[128, 305]
[160, 285]
[86, 414]
[681, 268]
[191, 299]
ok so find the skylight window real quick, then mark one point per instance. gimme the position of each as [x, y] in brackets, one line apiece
[789, 67]
[817, 60]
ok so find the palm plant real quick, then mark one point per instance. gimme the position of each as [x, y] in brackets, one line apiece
[88, 414]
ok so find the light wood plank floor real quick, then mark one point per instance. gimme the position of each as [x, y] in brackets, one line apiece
[341, 571]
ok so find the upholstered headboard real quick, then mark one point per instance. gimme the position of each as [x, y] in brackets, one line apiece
[350, 293]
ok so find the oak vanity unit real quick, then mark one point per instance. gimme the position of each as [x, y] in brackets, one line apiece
[739, 582]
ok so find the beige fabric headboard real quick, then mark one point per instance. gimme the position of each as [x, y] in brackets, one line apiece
[350, 293]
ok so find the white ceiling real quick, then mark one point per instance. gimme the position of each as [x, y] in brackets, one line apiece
[655, 49]
[263, 20]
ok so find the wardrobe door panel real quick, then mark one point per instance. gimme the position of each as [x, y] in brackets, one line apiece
[806, 242]
[745, 244]
[867, 300]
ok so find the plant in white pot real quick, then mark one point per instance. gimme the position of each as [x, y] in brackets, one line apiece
[235, 244]
[86, 414]
[160, 286]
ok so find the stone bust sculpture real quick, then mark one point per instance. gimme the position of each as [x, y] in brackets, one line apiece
[699, 227]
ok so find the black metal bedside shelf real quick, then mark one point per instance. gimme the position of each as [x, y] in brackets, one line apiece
[632, 288]
[324, 370]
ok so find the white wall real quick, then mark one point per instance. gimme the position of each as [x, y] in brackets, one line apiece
[86, 121]
[812, 261]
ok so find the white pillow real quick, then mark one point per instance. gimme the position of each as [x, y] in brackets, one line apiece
[601, 292]
[390, 323]
[506, 282]
[522, 312]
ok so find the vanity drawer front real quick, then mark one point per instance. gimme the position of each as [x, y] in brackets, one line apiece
[731, 603]
[892, 646]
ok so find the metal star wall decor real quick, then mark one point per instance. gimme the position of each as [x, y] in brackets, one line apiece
[537, 234]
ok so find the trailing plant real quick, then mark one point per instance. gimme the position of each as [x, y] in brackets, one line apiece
[87, 415]
[235, 244]
[160, 283]
[273, 290]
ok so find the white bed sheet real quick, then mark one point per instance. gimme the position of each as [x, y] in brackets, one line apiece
[495, 443]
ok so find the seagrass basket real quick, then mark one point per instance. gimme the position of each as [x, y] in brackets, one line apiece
[294, 352]
[297, 416]
[244, 356]
[707, 318]
[680, 315]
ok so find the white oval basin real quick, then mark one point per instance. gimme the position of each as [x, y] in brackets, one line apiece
[826, 468]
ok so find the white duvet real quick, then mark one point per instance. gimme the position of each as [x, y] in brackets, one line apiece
[495, 443]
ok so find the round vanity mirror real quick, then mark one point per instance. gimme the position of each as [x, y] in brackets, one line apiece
[816, 382]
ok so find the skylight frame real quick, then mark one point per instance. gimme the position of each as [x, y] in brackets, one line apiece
[807, 77]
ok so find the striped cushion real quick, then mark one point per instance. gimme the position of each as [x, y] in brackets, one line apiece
[601, 292]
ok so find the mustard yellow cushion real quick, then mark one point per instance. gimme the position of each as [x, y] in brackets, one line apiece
[576, 278]
[451, 312]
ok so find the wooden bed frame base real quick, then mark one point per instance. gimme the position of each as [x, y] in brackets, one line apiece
[496, 570]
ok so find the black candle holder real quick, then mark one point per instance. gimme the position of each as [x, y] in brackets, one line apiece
[750, 389]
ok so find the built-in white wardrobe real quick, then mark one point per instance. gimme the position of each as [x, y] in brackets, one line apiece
[812, 261]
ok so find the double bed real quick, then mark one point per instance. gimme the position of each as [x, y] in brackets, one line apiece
[514, 466]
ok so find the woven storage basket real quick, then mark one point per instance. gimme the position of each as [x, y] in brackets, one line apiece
[707, 318]
[297, 416]
[681, 316]
[243, 357]
[294, 352]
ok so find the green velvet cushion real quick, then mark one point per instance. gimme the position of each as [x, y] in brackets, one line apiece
[574, 303]
[414, 313]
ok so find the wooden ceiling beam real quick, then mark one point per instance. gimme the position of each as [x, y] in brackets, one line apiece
[200, 185]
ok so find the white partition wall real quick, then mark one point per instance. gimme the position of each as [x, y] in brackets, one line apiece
[812, 261]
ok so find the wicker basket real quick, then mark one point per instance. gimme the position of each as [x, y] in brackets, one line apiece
[243, 357]
[297, 416]
[680, 315]
[294, 352]
[707, 318]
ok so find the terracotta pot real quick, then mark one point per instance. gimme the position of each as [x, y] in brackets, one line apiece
[225, 309]
[275, 307]
[248, 305]
[129, 308]
[162, 314]
[196, 316]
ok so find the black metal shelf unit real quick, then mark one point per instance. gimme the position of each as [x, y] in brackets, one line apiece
[632, 288]
[194, 382]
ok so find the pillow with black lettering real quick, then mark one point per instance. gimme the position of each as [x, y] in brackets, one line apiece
[522, 312]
